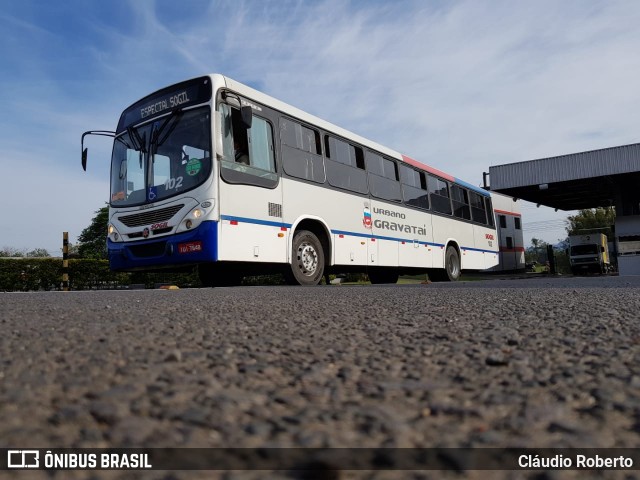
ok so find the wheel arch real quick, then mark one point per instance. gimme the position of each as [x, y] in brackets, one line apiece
[451, 242]
[320, 229]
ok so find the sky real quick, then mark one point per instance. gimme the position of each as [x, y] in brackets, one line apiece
[459, 85]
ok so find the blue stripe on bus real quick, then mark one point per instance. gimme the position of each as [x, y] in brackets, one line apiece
[268, 223]
[479, 190]
[255, 221]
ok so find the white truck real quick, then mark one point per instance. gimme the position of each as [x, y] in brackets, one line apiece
[589, 253]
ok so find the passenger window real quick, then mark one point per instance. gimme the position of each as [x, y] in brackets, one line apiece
[345, 165]
[478, 213]
[383, 178]
[381, 166]
[489, 206]
[414, 188]
[460, 199]
[301, 151]
[439, 195]
[299, 136]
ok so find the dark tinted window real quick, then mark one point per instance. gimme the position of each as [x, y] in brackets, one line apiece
[478, 213]
[381, 166]
[489, 205]
[296, 135]
[439, 195]
[343, 152]
[518, 224]
[414, 188]
[301, 152]
[383, 178]
[345, 165]
[503, 221]
[460, 200]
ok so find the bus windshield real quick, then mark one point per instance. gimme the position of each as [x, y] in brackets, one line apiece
[161, 158]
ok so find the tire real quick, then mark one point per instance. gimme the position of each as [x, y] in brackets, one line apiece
[382, 275]
[307, 260]
[451, 271]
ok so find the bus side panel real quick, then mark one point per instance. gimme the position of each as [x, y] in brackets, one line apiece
[416, 244]
[250, 221]
[349, 249]
[446, 229]
[487, 240]
[342, 212]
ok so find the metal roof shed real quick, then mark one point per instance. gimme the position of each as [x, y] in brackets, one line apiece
[571, 182]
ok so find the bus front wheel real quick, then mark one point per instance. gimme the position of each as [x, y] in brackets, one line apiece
[307, 260]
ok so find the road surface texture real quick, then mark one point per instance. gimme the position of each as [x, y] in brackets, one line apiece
[502, 363]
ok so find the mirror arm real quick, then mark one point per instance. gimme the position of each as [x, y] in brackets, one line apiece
[102, 133]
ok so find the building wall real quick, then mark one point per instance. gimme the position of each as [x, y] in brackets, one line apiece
[510, 237]
[628, 244]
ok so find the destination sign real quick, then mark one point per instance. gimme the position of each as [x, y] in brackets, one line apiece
[184, 94]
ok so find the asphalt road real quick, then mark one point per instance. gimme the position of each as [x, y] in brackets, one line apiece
[501, 363]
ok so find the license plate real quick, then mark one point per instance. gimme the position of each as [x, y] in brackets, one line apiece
[190, 247]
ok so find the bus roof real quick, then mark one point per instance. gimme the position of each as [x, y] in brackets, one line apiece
[249, 92]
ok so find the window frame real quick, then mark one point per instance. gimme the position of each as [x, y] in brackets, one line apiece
[240, 174]
[291, 154]
[339, 174]
[378, 182]
[439, 199]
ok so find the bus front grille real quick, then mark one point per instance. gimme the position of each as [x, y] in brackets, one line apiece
[150, 217]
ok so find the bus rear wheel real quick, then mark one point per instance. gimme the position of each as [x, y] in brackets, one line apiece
[307, 260]
[452, 270]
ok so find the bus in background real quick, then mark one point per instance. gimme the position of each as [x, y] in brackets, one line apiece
[213, 173]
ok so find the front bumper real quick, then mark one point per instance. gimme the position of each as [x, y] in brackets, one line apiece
[196, 246]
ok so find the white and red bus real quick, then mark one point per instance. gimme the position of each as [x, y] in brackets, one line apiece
[213, 173]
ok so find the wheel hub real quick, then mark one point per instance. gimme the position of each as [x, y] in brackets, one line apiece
[308, 258]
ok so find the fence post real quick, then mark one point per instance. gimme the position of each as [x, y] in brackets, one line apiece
[65, 261]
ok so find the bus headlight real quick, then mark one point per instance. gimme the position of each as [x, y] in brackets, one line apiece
[112, 233]
[192, 219]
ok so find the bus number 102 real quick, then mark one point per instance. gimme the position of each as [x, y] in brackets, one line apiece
[172, 183]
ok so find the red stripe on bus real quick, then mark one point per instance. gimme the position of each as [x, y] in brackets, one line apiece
[426, 167]
[504, 212]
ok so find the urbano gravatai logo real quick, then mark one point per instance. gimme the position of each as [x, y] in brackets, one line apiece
[23, 459]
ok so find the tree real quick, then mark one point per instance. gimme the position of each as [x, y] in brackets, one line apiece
[11, 252]
[92, 242]
[38, 253]
[537, 250]
[596, 220]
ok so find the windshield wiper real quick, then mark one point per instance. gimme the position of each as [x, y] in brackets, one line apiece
[139, 144]
[156, 139]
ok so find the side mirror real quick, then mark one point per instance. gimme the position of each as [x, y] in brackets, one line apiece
[247, 115]
[84, 159]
